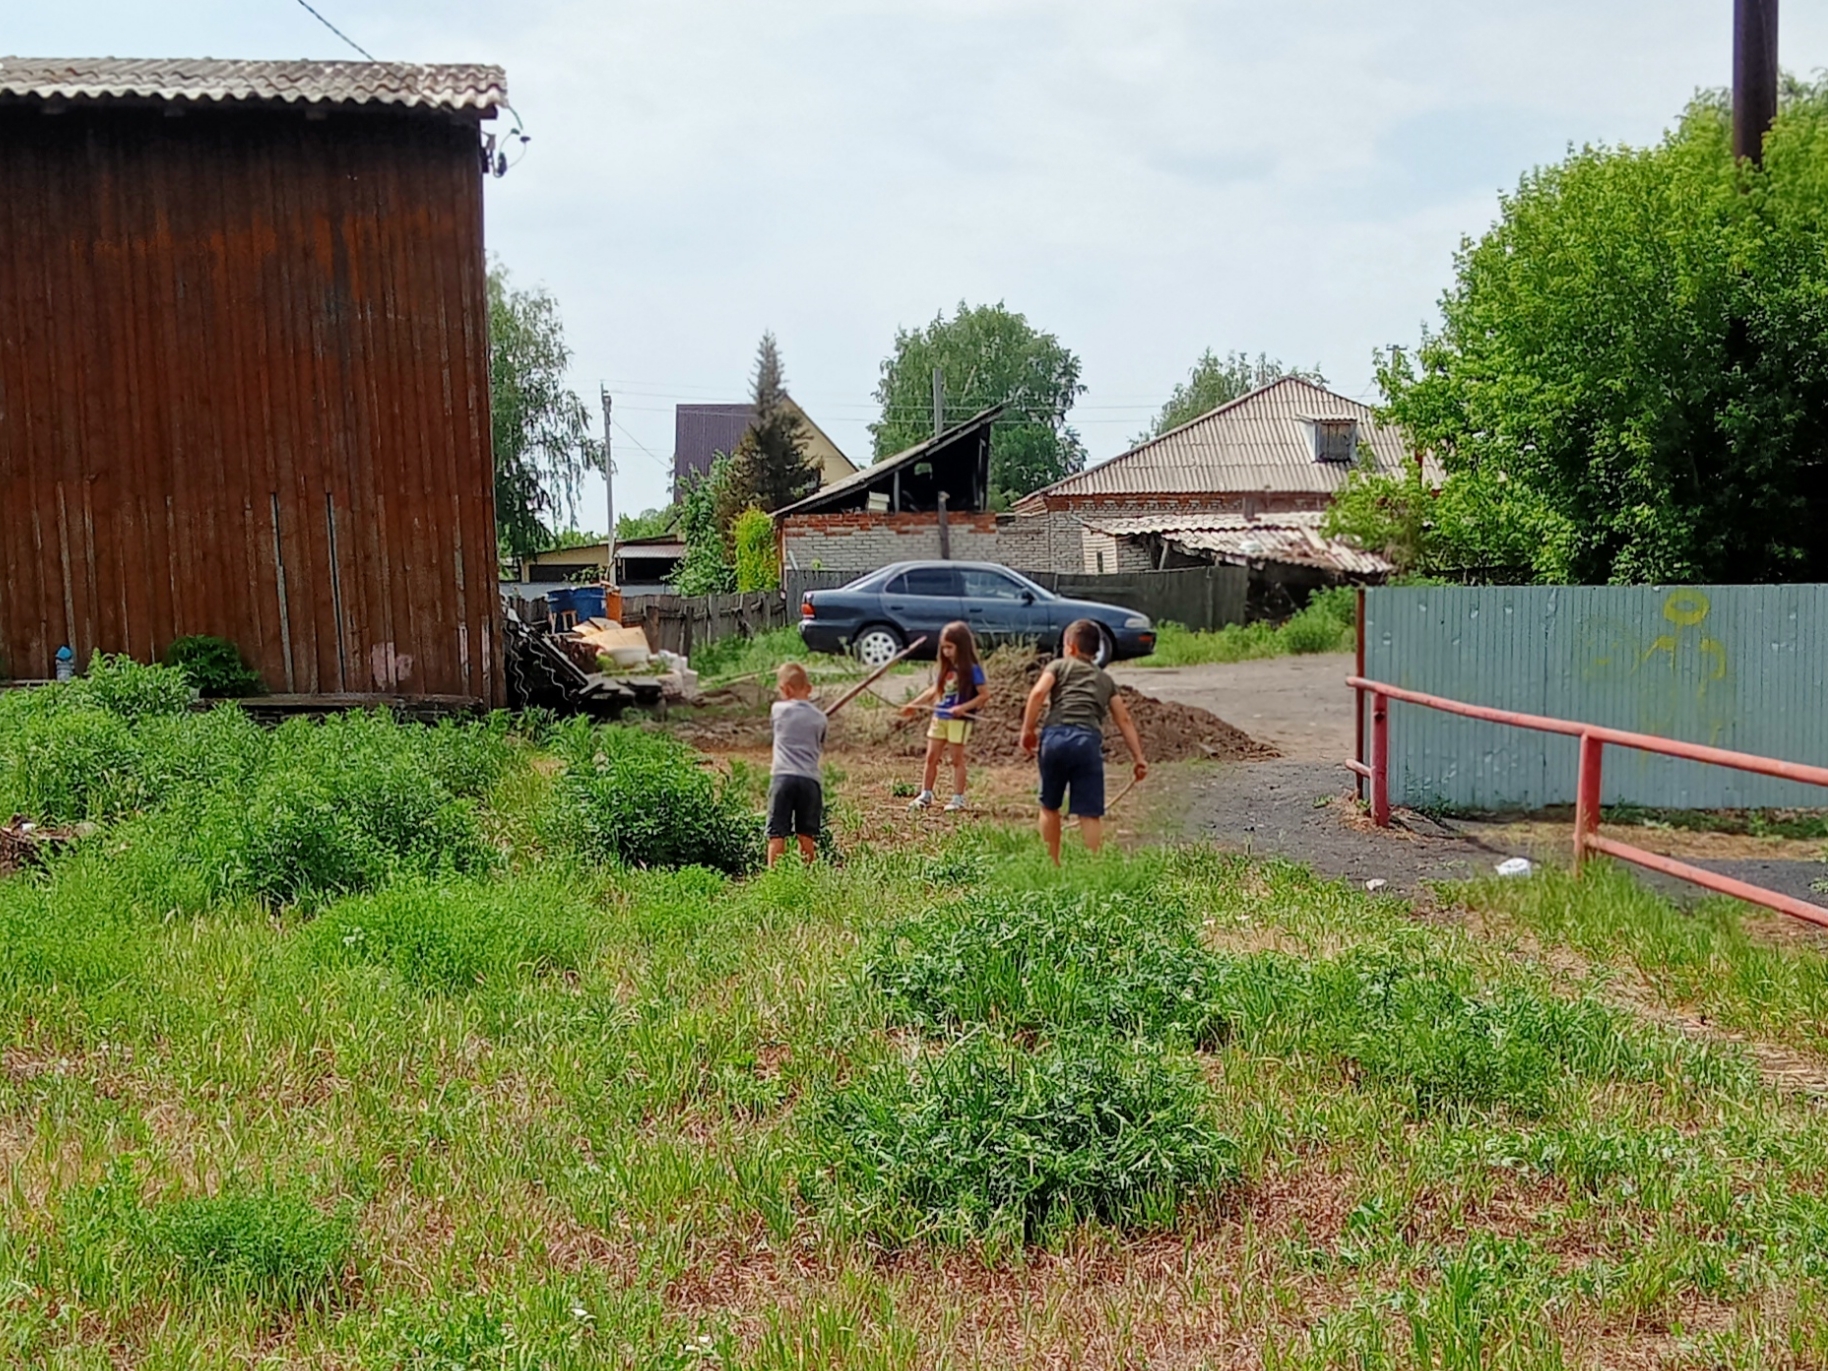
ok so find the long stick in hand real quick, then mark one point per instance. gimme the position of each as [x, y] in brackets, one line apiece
[872, 678]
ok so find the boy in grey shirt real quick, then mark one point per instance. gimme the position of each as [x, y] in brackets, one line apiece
[796, 801]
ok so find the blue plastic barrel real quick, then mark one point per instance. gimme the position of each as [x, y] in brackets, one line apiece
[588, 602]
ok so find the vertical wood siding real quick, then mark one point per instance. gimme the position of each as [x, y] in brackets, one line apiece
[244, 392]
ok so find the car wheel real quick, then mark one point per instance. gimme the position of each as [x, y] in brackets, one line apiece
[876, 645]
[1107, 647]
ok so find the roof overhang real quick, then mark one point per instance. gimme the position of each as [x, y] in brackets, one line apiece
[959, 462]
[462, 89]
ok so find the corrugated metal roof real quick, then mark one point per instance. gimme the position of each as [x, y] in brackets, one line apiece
[1290, 537]
[443, 87]
[1260, 441]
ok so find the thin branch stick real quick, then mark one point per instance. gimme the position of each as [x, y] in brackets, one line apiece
[872, 678]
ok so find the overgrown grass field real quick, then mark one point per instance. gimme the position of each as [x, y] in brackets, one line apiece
[370, 1045]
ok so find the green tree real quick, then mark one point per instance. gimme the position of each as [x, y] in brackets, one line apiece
[757, 565]
[541, 430]
[706, 568]
[649, 523]
[770, 467]
[988, 355]
[1631, 375]
[1216, 381]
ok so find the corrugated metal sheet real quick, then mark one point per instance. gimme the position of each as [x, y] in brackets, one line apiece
[1742, 667]
[1263, 441]
[700, 432]
[244, 391]
[407, 84]
[1293, 537]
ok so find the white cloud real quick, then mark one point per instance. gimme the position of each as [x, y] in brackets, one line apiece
[1146, 179]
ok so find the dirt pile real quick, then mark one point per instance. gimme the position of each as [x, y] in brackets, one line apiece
[1170, 732]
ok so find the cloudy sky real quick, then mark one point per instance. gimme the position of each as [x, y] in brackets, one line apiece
[1144, 178]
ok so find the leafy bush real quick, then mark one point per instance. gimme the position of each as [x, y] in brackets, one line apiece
[213, 667]
[1050, 961]
[752, 542]
[125, 688]
[338, 808]
[644, 800]
[271, 1247]
[455, 935]
[986, 1141]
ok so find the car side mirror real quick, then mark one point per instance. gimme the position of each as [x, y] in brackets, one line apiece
[1028, 597]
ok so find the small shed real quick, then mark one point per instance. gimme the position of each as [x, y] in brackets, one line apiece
[244, 383]
[931, 500]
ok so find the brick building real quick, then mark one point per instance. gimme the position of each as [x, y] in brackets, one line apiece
[1253, 477]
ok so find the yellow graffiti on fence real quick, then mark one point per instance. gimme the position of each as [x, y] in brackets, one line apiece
[1682, 676]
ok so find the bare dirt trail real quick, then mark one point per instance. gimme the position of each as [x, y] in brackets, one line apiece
[1298, 705]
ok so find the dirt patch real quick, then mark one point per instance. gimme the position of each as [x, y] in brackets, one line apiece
[1171, 731]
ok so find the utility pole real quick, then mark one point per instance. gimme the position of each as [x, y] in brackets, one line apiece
[939, 399]
[609, 495]
[1754, 76]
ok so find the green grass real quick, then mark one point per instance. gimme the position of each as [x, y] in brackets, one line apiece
[940, 1105]
[762, 653]
[1325, 624]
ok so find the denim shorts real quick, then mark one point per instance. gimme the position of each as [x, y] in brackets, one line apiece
[1072, 757]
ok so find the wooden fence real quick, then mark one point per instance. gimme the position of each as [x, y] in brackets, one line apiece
[685, 623]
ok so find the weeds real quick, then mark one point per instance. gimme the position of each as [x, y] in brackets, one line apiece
[643, 799]
[985, 1142]
[1326, 624]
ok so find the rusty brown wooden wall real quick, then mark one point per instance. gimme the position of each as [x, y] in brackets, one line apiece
[244, 392]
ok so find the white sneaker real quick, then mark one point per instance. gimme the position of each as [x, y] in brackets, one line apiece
[924, 800]
[955, 804]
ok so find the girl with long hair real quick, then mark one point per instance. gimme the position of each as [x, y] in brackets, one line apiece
[958, 694]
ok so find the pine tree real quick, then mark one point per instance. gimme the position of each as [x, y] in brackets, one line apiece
[770, 467]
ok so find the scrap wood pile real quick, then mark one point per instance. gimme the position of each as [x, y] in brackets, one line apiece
[24, 843]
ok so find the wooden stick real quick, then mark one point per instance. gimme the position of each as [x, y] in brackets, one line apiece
[1113, 803]
[872, 678]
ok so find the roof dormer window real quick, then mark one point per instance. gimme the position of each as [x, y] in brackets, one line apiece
[1335, 440]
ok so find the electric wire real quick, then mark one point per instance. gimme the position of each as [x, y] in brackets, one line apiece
[338, 32]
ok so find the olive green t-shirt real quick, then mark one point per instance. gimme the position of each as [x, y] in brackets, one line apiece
[1081, 696]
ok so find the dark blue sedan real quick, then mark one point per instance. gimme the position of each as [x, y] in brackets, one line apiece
[877, 615]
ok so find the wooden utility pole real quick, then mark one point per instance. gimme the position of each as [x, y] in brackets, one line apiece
[939, 396]
[609, 496]
[1754, 76]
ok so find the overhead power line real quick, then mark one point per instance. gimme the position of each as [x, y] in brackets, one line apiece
[338, 32]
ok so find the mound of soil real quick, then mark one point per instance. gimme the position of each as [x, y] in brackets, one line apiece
[1170, 732]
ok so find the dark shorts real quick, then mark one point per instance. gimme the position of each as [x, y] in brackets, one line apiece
[795, 806]
[1073, 758]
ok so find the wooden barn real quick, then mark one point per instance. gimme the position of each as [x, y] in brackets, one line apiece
[244, 369]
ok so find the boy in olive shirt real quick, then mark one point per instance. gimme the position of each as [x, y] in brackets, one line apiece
[1076, 695]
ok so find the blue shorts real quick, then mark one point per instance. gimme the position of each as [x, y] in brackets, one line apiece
[1073, 757]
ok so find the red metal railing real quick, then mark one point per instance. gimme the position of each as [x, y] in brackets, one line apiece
[1593, 740]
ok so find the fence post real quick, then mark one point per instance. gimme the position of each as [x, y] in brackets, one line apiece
[1380, 759]
[1358, 696]
[1587, 796]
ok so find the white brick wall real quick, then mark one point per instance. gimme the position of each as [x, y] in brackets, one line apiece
[863, 542]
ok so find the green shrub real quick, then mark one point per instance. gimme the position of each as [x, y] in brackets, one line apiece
[272, 1247]
[214, 668]
[987, 1141]
[61, 761]
[269, 1247]
[1315, 629]
[336, 808]
[124, 687]
[454, 935]
[643, 799]
[758, 567]
[1049, 961]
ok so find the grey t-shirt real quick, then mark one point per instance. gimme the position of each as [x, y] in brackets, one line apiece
[799, 738]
